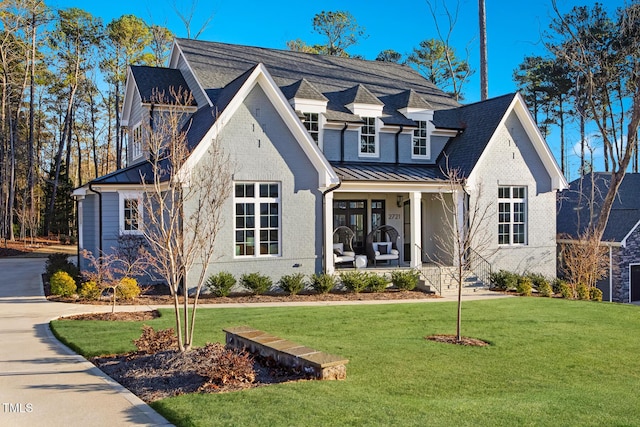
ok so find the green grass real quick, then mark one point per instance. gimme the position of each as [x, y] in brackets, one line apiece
[551, 362]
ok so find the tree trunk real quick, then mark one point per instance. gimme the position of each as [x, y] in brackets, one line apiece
[484, 71]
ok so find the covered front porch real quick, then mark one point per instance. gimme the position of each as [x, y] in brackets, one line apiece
[412, 220]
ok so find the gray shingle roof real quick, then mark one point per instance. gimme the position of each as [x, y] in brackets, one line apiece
[574, 206]
[217, 64]
[153, 82]
[477, 123]
[304, 90]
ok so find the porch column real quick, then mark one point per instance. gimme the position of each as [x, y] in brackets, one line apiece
[416, 228]
[329, 267]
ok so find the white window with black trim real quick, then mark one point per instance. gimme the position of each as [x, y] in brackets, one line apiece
[312, 123]
[420, 145]
[512, 215]
[368, 138]
[131, 212]
[257, 219]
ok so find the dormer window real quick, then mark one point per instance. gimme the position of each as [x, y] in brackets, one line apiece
[421, 147]
[368, 140]
[136, 142]
[311, 122]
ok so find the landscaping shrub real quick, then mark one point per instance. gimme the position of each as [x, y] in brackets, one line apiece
[595, 294]
[524, 286]
[405, 279]
[565, 289]
[503, 280]
[355, 281]
[152, 341]
[377, 283]
[292, 283]
[128, 288]
[323, 283]
[62, 284]
[60, 262]
[545, 290]
[90, 291]
[220, 284]
[224, 366]
[582, 291]
[537, 280]
[256, 283]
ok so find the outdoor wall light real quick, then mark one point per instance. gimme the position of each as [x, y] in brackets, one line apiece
[399, 201]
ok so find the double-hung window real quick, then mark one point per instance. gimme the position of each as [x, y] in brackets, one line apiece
[131, 213]
[368, 137]
[136, 143]
[512, 215]
[312, 124]
[421, 140]
[257, 219]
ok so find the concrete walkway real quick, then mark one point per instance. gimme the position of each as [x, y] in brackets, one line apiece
[41, 382]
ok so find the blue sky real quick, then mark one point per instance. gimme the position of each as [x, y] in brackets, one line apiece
[514, 27]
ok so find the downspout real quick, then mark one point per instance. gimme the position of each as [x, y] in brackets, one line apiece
[398, 144]
[99, 220]
[324, 223]
[341, 146]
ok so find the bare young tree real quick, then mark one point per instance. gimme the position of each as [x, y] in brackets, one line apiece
[183, 208]
[464, 233]
[108, 270]
[586, 261]
[457, 70]
[187, 15]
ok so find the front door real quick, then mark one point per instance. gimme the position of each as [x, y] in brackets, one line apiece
[635, 282]
[353, 214]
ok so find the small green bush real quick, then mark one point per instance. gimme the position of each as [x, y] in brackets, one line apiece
[323, 283]
[565, 289]
[220, 284]
[537, 280]
[292, 283]
[545, 290]
[582, 291]
[503, 280]
[62, 284]
[90, 291]
[256, 283]
[355, 281]
[405, 279]
[595, 294]
[524, 286]
[128, 288]
[376, 283]
[60, 262]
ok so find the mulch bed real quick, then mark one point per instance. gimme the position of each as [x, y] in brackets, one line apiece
[132, 316]
[9, 248]
[155, 299]
[451, 339]
[171, 373]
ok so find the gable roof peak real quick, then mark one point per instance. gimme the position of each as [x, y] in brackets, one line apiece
[359, 94]
[304, 90]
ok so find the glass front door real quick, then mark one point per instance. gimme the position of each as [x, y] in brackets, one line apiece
[353, 214]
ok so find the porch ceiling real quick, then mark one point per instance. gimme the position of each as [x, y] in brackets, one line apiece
[388, 172]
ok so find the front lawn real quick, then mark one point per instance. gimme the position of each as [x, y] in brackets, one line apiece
[551, 362]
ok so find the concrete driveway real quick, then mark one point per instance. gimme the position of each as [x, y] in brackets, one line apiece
[42, 383]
